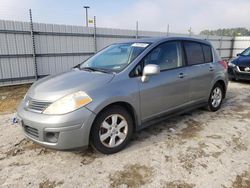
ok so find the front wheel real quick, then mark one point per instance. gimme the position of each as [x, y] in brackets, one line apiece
[215, 98]
[112, 130]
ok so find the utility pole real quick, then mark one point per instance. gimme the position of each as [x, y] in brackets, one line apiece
[87, 19]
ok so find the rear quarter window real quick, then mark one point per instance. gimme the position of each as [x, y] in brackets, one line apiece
[194, 53]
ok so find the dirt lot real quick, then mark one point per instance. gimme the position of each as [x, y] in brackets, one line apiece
[202, 150]
[10, 97]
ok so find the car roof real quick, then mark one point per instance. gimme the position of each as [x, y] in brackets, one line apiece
[162, 39]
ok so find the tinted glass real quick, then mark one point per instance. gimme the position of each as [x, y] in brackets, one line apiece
[207, 53]
[194, 53]
[167, 56]
[246, 52]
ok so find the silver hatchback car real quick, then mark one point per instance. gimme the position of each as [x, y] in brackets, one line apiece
[123, 88]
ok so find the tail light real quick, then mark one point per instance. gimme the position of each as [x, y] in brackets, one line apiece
[224, 64]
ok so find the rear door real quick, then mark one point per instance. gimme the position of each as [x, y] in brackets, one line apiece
[170, 88]
[201, 69]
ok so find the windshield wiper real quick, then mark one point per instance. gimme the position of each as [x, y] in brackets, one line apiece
[95, 69]
[76, 67]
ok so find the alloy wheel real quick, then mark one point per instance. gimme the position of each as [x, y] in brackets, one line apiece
[113, 130]
[216, 97]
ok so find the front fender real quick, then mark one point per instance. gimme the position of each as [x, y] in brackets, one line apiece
[126, 91]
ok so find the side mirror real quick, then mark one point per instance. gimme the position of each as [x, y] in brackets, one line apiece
[149, 70]
[238, 54]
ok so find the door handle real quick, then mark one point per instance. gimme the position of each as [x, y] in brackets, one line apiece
[182, 75]
[211, 68]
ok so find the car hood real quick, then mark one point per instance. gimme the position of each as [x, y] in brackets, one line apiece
[242, 61]
[54, 87]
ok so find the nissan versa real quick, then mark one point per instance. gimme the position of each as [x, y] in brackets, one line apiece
[123, 88]
[239, 68]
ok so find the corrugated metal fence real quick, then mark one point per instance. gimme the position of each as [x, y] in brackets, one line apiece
[57, 48]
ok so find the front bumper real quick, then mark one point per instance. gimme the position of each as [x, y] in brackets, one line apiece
[235, 73]
[73, 128]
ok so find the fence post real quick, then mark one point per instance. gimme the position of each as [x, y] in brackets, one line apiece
[208, 36]
[168, 30]
[220, 47]
[33, 45]
[232, 46]
[95, 39]
[190, 31]
[136, 32]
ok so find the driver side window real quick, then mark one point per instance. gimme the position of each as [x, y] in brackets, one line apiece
[167, 56]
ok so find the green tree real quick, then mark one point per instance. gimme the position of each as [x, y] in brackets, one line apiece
[240, 31]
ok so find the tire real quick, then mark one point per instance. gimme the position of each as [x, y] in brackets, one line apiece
[216, 98]
[112, 130]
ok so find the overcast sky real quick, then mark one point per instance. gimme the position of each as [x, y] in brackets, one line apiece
[152, 15]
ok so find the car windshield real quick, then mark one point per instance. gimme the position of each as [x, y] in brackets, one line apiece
[115, 57]
[246, 52]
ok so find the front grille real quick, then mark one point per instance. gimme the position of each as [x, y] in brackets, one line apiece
[37, 106]
[244, 69]
[31, 131]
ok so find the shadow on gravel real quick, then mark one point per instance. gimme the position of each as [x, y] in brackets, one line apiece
[88, 156]
[242, 181]
[179, 184]
[184, 126]
[26, 145]
[134, 175]
[50, 184]
[241, 82]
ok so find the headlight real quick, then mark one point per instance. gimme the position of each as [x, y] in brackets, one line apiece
[68, 103]
[230, 64]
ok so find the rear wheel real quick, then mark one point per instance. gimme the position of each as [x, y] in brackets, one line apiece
[112, 130]
[215, 98]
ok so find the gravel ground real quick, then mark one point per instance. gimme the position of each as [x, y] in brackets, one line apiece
[198, 149]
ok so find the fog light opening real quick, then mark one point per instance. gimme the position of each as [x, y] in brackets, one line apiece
[51, 137]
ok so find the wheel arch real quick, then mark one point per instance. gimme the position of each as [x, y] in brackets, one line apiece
[222, 80]
[127, 106]
[222, 83]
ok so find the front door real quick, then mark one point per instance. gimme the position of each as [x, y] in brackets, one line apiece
[169, 89]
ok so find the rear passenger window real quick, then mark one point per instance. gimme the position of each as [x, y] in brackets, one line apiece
[207, 53]
[194, 53]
